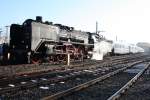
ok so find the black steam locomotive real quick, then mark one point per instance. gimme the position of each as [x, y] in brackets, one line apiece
[36, 41]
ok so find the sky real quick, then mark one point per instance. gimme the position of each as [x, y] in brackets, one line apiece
[128, 20]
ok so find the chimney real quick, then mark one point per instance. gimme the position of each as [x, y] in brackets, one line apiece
[39, 19]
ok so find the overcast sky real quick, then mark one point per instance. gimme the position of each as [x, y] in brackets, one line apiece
[129, 20]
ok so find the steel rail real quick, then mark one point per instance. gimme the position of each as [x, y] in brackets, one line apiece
[86, 84]
[116, 95]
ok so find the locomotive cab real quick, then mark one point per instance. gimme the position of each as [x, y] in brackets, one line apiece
[19, 43]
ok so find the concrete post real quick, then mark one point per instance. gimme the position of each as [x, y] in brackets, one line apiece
[68, 59]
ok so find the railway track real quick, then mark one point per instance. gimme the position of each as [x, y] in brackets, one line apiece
[140, 90]
[77, 89]
[59, 78]
[44, 86]
[16, 70]
[107, 64]
[129, 84]
[110, 89]
[78, 65]
[54, 87]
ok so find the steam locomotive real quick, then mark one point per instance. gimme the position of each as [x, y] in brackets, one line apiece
[36, 41]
